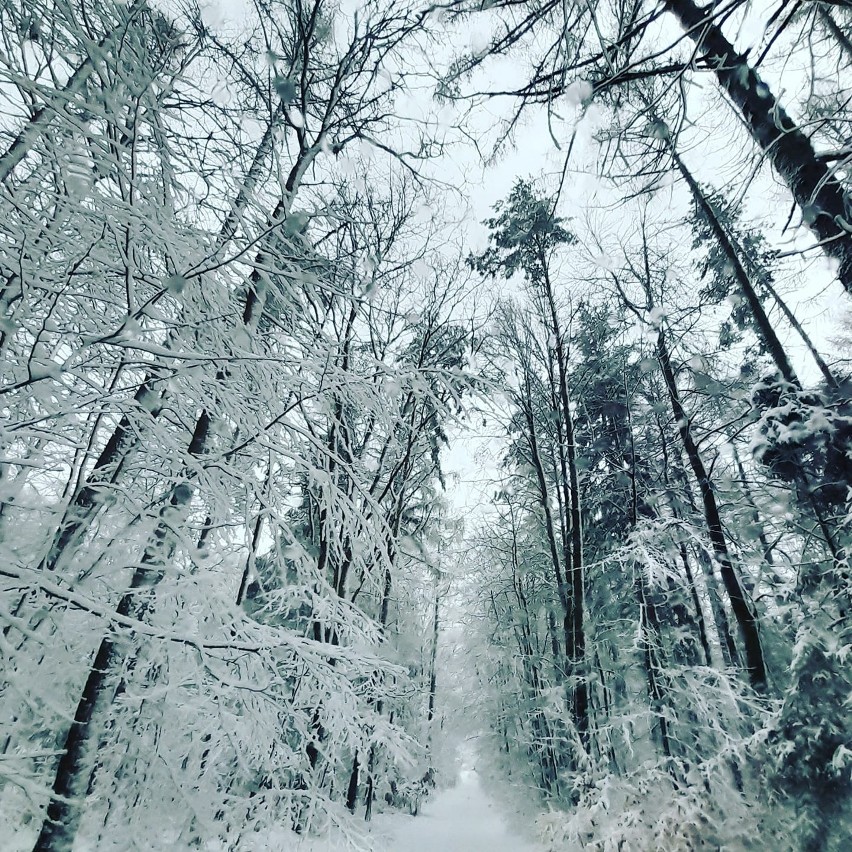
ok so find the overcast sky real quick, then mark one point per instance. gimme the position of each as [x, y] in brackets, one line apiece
[539, 147]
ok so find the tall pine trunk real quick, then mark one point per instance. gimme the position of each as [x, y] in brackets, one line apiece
[743, 610]
[574, 568]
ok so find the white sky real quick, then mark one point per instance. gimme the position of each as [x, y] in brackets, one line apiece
[474, 453]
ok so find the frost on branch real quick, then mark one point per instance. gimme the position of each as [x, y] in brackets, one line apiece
[805, 434]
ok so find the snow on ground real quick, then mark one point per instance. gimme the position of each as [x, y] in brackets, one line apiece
[461, 819]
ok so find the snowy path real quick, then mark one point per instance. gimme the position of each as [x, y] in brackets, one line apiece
[462, 819]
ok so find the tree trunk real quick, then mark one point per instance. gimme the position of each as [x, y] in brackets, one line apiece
[433, 658]
[819, 195]
[720, 620]
[352, 789]
[544, 500]
[764, 326]
[74, 770]
[831, 25]
[575, 574]
[696, 605]
[829, 377]
[650, 643]
[86, 500]
[741, 607]
[85, 503]
[40, 119]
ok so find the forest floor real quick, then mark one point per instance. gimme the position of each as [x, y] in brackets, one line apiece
[463, 818]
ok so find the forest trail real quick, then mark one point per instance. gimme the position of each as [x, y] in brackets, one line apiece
[461, 819]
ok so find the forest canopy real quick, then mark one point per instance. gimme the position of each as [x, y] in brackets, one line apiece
[379, 374]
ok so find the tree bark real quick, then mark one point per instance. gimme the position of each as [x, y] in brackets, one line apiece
[764, 326]
[696, 605]
[839, 36]
[40, 119]
[819, 195]
[86, 501]
[741, 607]
[105, 472]
[720, 620]
[574, 569]
[650, 644]
[74, 770]
[352, 789]
[433, 659]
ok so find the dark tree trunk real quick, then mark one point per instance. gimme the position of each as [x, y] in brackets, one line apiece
[831, 25]
[764, 326]
[650, 632]
[696, 605]
[74, 770]
[818, 194]
[741, 607]
[433, 658]
[544, 500]
[765, 548]
[85, 503]
[830, 379]
[574, 568]
[87, 499]
[727, 646]
[352, 789]
[41, 117]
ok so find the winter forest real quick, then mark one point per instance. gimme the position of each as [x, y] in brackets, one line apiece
[401, 401]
